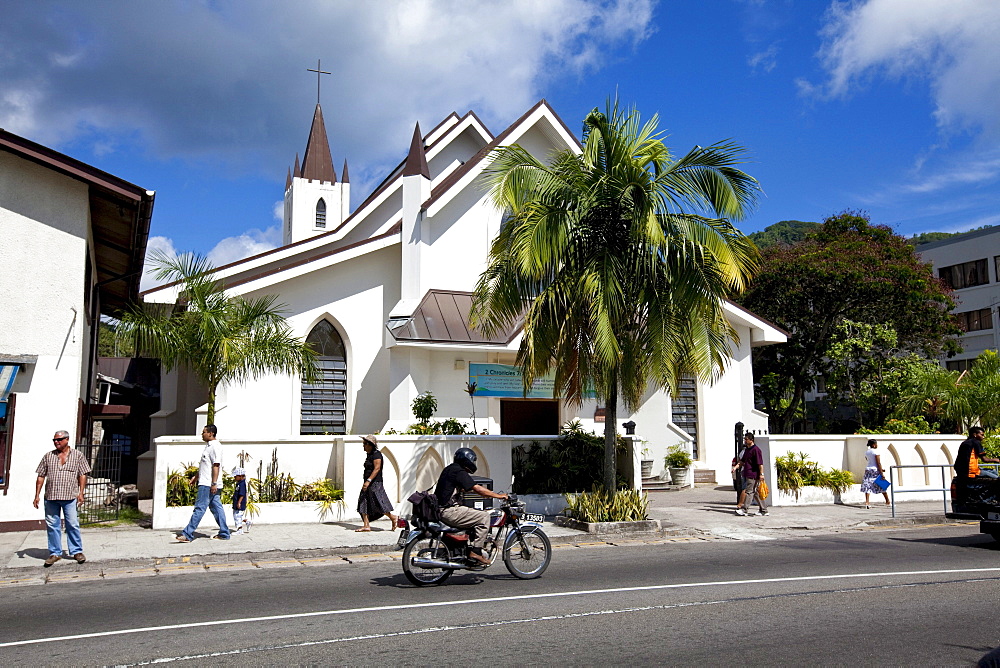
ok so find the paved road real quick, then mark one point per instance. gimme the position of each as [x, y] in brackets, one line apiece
[920, 596]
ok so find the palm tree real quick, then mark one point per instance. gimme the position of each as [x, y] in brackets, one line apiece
[966, 399]
[221, 339]
[618, 257]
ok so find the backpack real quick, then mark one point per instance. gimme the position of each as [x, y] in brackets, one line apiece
[425, 506]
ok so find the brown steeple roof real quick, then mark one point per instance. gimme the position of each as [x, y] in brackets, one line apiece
[344, 178]
[297, 170]
[317, 163]
[416, 159]
[288, 179]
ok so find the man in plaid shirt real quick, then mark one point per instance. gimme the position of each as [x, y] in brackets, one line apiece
[64, 473]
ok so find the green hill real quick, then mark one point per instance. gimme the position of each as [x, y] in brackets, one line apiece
[785, 233]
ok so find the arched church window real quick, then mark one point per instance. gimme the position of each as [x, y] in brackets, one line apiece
[321, 213]
[324, 402]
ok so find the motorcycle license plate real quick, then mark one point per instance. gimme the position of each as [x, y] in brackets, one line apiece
[531, 517]
[993, 516]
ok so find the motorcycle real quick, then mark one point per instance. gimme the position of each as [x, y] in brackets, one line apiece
[434, 550]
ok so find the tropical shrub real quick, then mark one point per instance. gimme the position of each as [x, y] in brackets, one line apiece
[572, 462]
[908, 425]
[677, 457]
[623, 505]
[423, 407]
[269, 486]
[796, 471]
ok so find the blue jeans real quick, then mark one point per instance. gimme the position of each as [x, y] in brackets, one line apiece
[207, 501]
[54, 528]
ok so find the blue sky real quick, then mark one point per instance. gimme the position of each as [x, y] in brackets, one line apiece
[888, 106]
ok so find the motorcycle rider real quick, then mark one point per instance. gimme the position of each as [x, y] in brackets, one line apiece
[455, 479]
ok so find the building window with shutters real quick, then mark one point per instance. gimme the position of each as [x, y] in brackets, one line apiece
[324, 402]
[965, 275]
[975, 321]
[321, 213]
[684, 410]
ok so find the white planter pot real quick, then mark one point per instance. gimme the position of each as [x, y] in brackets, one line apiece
[678, 476]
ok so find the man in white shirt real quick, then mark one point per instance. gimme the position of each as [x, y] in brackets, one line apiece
[209, 482]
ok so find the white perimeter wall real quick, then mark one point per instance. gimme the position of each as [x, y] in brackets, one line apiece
[411, 463]
[848, 453]
[44, 218]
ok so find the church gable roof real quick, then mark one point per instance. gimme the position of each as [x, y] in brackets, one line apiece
[477, 162]
[317, 162]
[312, 248]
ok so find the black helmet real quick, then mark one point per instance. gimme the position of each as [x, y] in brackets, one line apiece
[466, 458]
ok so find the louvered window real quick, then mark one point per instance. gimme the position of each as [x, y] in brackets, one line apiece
[321, 213]
[684, 410]
[324, 402]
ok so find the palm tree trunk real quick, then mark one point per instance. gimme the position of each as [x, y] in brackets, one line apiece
[610, 436]
[211, 403]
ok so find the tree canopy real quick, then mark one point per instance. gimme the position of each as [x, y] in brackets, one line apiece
[848, 269]
[222, 339]
[618, 256]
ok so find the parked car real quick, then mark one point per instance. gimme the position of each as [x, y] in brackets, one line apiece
[977, 499]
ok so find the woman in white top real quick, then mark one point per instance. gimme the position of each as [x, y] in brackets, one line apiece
[872, 471]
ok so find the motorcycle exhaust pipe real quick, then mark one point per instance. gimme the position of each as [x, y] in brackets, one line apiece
[424, 562]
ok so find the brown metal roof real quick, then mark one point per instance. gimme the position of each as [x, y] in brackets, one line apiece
[120, 213]
[443, 317]
[445, 185]
[416, 159]
[317, 163]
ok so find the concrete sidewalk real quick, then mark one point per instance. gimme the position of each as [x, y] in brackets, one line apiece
[705, 513]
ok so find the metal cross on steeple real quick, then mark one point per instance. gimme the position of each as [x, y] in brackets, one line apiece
[318, 71]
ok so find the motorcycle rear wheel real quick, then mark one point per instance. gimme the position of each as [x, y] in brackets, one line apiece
[527, 554]
[430, 549]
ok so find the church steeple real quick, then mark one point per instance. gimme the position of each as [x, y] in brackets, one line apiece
[317, 163]
[343, 174]
[314, 201]
[416, 159]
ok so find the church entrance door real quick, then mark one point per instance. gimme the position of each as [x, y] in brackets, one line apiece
[520, 417]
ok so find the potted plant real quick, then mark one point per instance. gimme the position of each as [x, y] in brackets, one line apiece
[678, 460]
[646, 463]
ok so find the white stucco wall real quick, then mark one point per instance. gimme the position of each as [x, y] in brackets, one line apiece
[355, 296]
[44, 217]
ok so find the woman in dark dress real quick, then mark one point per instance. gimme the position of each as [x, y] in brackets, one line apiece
[373, 502]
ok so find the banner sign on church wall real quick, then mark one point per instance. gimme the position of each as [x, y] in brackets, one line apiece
[503, 380]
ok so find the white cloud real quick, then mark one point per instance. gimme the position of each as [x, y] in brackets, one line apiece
[249, 243]
[952, 45]
[230, 249]
[765, 60]
[154, 246]
[226, 80]
[974, 171]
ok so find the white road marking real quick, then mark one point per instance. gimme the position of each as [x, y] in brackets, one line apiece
[496, 599]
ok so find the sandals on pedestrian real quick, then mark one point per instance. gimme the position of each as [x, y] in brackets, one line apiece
[362, 529]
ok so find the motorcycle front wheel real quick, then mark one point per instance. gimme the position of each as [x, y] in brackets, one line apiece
[429, 549]
[527, 553]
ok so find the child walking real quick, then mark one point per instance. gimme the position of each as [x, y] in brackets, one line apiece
[240, 501]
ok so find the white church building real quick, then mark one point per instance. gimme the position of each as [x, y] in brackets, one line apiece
[384, 293]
